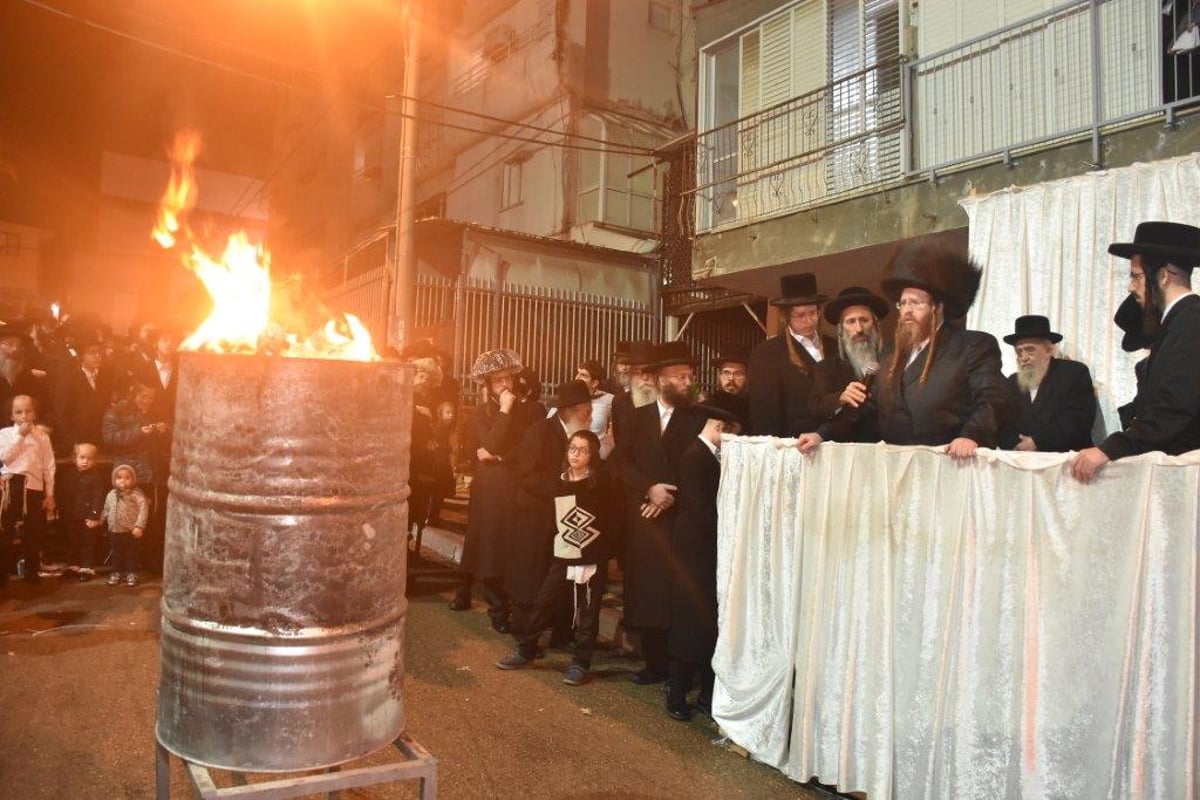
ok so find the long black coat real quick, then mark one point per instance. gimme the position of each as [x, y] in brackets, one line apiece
[1060, 418]
[785, 400]
[539, 463]
[79, 409]
[1168, 399]
[965, 394]
[852, 424]
[492, 509]
[693, 634]
[644, 457]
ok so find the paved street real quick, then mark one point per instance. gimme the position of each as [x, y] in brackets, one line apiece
[80, 669]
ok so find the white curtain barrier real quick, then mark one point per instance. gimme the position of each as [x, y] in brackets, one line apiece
[897, 623]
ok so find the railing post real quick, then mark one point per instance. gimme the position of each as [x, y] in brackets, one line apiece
[906, 116]
[1097, 69]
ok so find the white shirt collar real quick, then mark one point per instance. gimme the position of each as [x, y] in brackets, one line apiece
[1171, 305]
[662, 409]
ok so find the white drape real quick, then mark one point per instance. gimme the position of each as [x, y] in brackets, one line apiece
[1045, 251]
[896, 623]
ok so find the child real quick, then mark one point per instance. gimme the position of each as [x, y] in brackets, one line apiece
[126, 511]
[586, 509]
[82, 506]
[27, 494]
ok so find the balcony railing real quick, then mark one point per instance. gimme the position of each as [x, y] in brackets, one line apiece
[1072, 73]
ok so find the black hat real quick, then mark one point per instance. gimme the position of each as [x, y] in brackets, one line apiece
[724, 406]
[734, 353]
[1174, 242]
[17, 332]
[570, 393]
[1132, 320]
[798, 290]
[621, 354]
[1032, 326]
[673, 353]
[952, 278]
[855, 296]
[640, 351]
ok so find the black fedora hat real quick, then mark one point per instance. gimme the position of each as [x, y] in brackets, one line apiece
[1175, 242]
[855, 296]
[570, 393]
[1131, 319]
[725, 407]
[621, 354]
[673, 353]
[18, 331]
[641, 351]
[733, 354]
[798, 290]
[1032, 326]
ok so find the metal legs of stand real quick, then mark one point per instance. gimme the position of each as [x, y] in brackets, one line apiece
[418, 764]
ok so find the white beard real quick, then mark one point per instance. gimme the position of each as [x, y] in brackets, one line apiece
[643, 395]
[1028, 378]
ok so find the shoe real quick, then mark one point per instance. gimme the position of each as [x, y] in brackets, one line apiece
[460, 604]
[576, 675]
[114, 579]
[704, 703]
[131, 579]
[501, 626]
[678, 709]
[86, 574]
[513, 660]
[649, 676]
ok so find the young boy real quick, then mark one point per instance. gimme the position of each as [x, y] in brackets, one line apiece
[126, 511]
[82, 509]
[27, 479]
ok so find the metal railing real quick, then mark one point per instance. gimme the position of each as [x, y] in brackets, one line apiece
[803, 152]
[1072, 73]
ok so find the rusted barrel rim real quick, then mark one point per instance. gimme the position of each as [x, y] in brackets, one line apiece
[288, 503]
[182, 622]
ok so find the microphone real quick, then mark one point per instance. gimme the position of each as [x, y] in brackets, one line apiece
[870, 370]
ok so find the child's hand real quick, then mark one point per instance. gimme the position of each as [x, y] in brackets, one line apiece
[92, 523]
[137, 533]
[25, 428]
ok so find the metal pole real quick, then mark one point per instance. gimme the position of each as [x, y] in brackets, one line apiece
[1097, 86]
[405, 249]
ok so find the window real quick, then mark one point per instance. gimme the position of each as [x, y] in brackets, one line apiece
[510, 182]
[10, 244]
[618, 188]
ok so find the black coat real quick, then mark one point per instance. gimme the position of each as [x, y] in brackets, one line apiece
[644, 457]
[965, 394]
[80, 495]
[785, 399]
[492, 508]
[693, 634]
[1168, 399]
[1060, 418]
[622, 409]
[79, 409]
[851, 424]
[539, 463]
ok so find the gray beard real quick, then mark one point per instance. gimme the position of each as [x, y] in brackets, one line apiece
[643, 395]
[860, 354]
[1028, 379]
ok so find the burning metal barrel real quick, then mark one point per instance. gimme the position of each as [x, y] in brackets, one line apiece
[283, 603]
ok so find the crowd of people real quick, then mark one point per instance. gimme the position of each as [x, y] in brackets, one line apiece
[82, 403]
[624, 467]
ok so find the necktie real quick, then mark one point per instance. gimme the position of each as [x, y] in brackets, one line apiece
[665, 420]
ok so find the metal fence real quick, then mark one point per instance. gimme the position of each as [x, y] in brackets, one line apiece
[1066, 74]
[803, 152]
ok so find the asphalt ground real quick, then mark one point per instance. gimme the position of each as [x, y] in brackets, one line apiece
[80, 670]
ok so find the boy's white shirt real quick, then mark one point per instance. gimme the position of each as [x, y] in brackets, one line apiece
[30, 455]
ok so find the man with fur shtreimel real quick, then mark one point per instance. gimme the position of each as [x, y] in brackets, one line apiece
[939, 384]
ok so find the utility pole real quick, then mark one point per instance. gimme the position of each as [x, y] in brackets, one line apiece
[404, 255]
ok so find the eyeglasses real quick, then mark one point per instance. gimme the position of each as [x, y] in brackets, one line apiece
[578, 450]
[1137, 277]
[732, 373]
[910, 303]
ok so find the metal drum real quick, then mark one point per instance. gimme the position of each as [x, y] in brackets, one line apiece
[283, 586]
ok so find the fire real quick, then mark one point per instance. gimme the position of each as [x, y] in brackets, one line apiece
[244, 319]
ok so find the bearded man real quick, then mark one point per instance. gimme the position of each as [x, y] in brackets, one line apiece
[1165, 414]
[939, 384]
[856, 313]
[784, 371]
[641, 387]
[617, 382]
[732, 384]
[1056, 398]
[648, 457]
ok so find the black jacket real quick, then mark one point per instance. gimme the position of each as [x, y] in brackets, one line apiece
[693, 634]
[1168, 400]
[785, 399]
[80, 495]
[1060, 418]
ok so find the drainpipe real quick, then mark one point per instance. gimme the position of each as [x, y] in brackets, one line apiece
[405, 251]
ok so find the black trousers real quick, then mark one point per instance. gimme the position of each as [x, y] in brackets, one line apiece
[679, 679]
[530, 619]
[23, 519]
[654, 648]
[493, 594]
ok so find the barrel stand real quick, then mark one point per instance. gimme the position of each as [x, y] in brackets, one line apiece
[417, 764]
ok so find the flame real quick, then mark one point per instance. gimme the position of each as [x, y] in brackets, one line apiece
[244, 319]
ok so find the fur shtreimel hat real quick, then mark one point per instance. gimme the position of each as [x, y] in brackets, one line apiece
[952, 278]
[491, 362]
